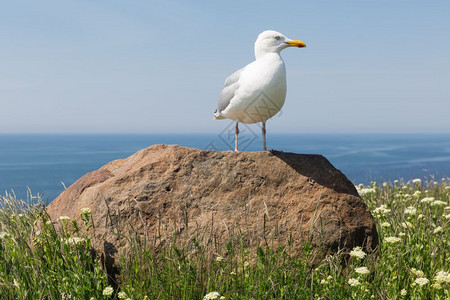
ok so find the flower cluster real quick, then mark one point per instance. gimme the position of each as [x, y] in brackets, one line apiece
[438, 203]
[362, 270]
[437, 229]
[213, 296]
[416, 272]
[442, 277]
[85, 211]
[365, 191]
[392, 239]
[427, 200]
[385, 224]
[64, 218]
[108, 291]
[410, 210]
[421, 281]
[417, 181]
[382, 210]
[354, 282]
[75, 240]
[358, 252]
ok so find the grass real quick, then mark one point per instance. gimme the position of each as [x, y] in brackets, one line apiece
[41, 261]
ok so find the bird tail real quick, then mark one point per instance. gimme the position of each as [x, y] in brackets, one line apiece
[218, 115]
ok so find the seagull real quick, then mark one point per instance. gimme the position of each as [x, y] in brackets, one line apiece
[256, 92]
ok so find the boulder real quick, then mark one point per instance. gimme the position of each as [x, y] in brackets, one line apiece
[269, 197]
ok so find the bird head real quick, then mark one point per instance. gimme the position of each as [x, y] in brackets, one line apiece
[271, 41]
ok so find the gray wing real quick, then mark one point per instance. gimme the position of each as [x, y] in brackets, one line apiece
[230, 87]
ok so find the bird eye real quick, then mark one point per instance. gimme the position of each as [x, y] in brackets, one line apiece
[277, 37]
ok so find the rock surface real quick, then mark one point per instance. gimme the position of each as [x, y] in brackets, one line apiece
[267, 196]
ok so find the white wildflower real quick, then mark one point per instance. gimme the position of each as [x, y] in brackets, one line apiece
[447, 216]
[385, 224]
[437, 229]
[438, 203]
[406, 224]
[416, 272]
[417, 181]
[211, 296]
[392, 239]
[358, 252]
[219, 258]
[436, 285]
[401, 234]
[427, 200]
[417, 193]
[108, 291]
[442, 276]
[323, 281]
[354, 282]
[420, 217]
[447, 208]
[74, 240]
[362, 270]
[64, 218]
[403, 292]
[382, 210]
[85, 211]
[122, 295]
[410, 210]
[395, 181]
[365, 191]
[421, 281]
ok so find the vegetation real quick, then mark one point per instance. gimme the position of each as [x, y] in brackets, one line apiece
[39, 260]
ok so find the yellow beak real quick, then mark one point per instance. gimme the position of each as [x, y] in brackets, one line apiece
[296, 43]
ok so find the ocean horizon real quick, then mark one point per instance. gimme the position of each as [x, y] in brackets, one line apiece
[47, 163]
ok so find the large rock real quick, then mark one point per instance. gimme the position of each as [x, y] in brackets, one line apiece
[269, 197]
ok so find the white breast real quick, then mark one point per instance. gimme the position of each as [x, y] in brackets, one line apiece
[262, 91]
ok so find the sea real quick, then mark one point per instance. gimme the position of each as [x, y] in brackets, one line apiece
[46, 164]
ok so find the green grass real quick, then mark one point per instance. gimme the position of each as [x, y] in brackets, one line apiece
[41, 261]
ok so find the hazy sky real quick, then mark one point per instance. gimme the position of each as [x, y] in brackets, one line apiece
[159, 66]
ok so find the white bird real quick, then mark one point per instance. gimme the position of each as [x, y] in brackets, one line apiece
[256, 92]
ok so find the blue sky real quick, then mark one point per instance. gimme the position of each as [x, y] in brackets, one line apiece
[159, 66]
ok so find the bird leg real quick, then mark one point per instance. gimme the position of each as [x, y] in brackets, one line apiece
[263, 129]
[236, 136]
